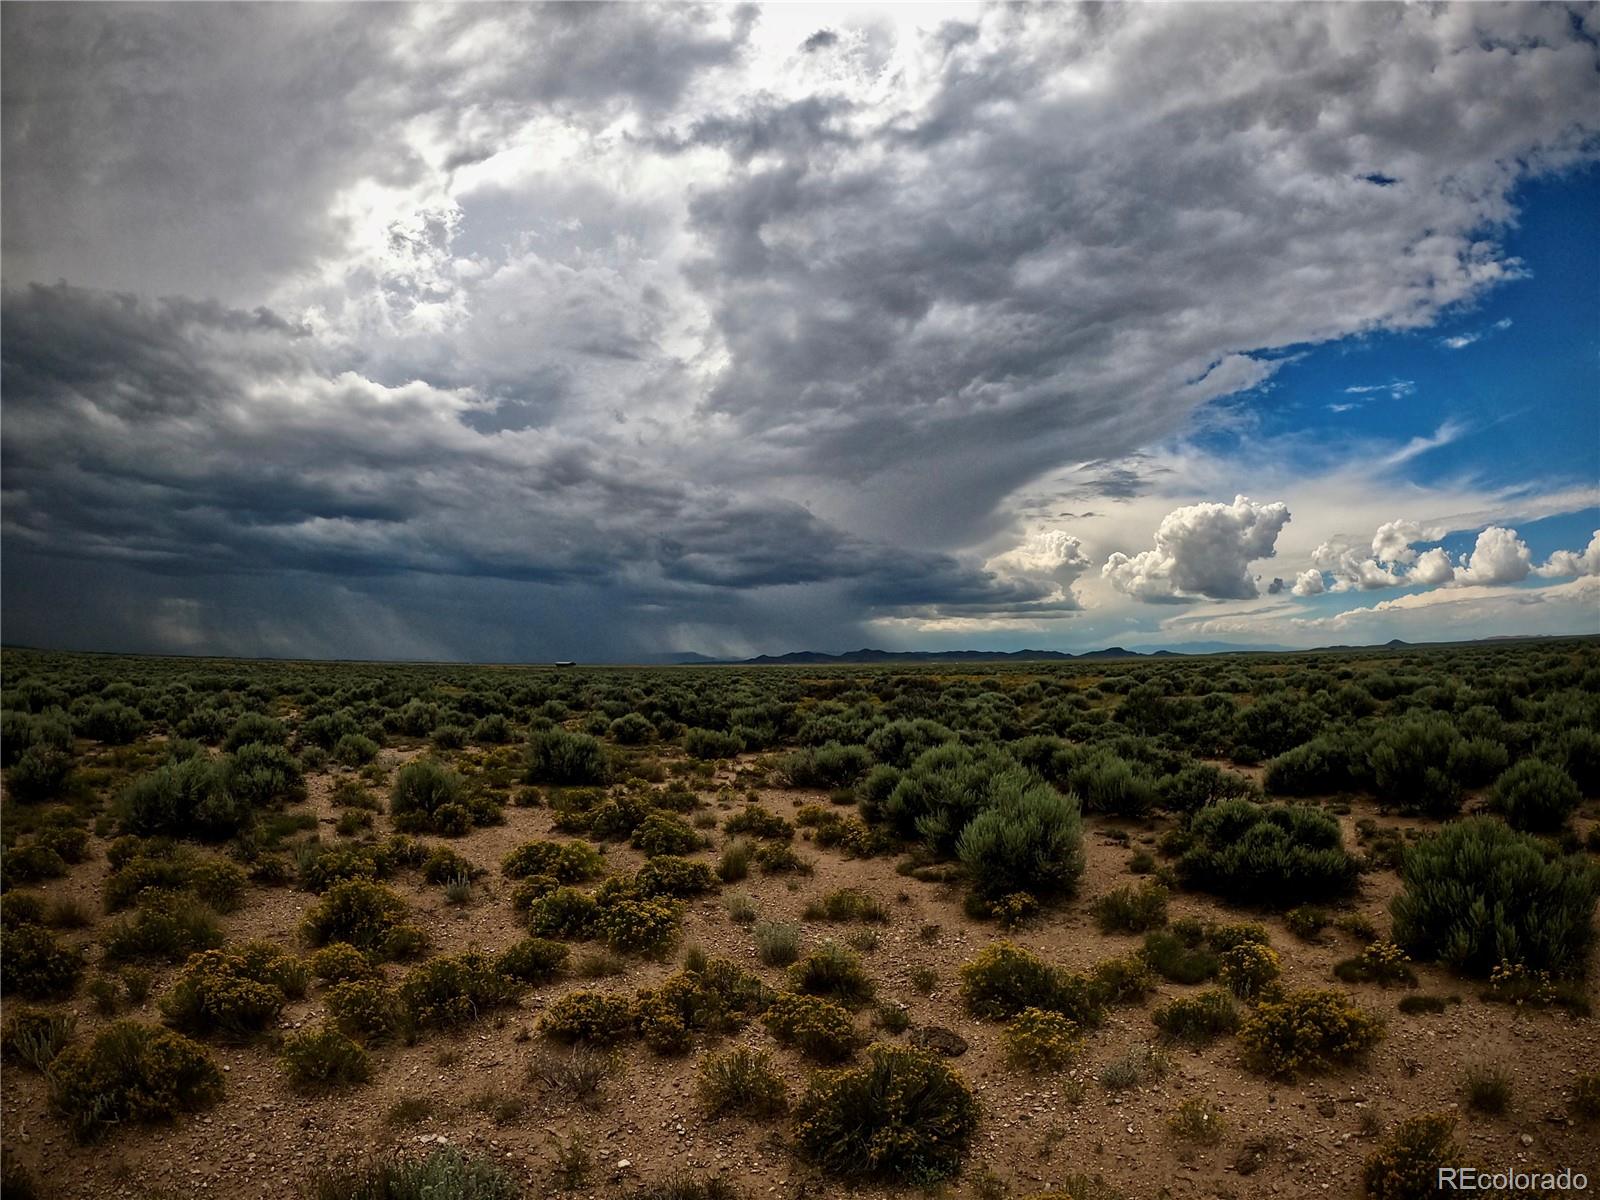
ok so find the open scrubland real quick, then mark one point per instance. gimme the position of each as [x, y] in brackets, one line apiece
[1246, 926]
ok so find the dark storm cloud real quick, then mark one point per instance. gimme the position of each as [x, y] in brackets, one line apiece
[192, 439]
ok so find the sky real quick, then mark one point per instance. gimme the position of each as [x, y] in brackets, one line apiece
[519, 332]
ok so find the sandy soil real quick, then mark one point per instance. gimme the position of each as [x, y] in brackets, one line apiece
[263, 1139]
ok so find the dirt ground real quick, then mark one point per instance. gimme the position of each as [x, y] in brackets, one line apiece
[263, 1139]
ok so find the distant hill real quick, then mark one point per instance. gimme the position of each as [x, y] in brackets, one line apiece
[674, 658]
[885, 656]
[1191, 649]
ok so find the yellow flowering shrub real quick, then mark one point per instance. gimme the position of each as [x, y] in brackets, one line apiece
[1308, 1030]
[1406, 1164]
[1039, 1040]
[1250, 969]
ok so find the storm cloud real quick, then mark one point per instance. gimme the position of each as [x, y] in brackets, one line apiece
[725, 333]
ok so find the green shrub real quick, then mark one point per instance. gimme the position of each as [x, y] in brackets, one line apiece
[616, 818]
[777, 942]
[131, 1073]
[902, 1116]
[875, 789]
[323, 1058]
[1406, 1165]
[21, 732]
[255, 727]
[1225, 937]
[21, 908]
[847, 904]
[1477, 761]
[34, 1037]
[818, 1028]
[1125, 980]
[367, 1010]
[233, 993]
[1535, 796]
[339, 962]
[444, 1173]
[1381, 963]
[30, 862]
[827, 766]
[831, 970]
[354, 750]
[1307, 921]
[36, 965]
[444, 866]
[167, 925]
[259, 776]
[365, 914]
[1109, 784]
[426, 798]
[1037, 1039]
[182, 799]
[1127, 910]
[1181, 955]
[1277, 856]
[558, 756]
[39, 773]
[900, 743]
[565, 862]
[734, 864]
[1410, 764]
[1577, 752]
[175, 869]
[532, 960]
[669, 875]
[640, 926]
[1586, 1096]
[631, 729]
[755, 821]
[1029, 840]
[711, 743]
[1198, 1121]
[589, 1017]
[946, 788]
[1138, 1066]
[565, 912]
[448, 737]
[1331, 762]
[743, 1083]
[1477, 894]
[707, 996]
[1308, 1030]
[113, 723]
[1004, 979]
[779, 858]
[320, 866]
[1200, 784]
[1487, 1089]
[661, 833]
[1197, 1019]
[454, 989]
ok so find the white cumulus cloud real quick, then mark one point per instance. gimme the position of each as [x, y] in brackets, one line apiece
[1433, 567]
[1498, 556]
[1202, 550]
[1564, 564]
[1309, 583]
[1394, 539]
